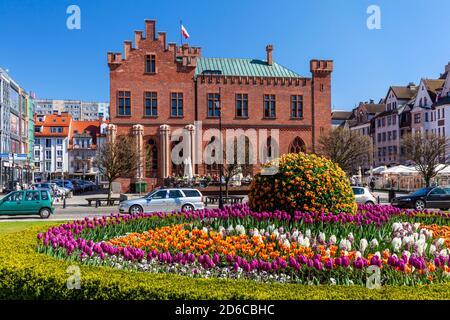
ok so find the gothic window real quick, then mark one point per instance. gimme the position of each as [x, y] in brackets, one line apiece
[151, 159]
[297, 146]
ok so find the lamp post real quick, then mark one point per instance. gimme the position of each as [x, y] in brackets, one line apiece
[219, 104]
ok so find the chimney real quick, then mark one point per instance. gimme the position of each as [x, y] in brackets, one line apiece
[269, 49]
[150, 29]
[371, 101]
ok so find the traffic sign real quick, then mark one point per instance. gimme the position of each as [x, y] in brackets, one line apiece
[20, 156]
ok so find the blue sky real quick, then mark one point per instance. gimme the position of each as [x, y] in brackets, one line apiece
[55, 62]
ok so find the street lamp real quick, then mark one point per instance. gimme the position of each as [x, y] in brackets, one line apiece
[219, 107]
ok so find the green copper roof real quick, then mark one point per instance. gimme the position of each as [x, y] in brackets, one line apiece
[241, 67]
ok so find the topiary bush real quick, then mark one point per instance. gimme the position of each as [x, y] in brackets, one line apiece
[304, 182]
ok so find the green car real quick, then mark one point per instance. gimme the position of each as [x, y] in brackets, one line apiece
[27, 202]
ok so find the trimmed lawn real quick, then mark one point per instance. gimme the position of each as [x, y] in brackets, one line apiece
[16, 226]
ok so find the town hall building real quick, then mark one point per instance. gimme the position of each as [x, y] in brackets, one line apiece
[157, 88]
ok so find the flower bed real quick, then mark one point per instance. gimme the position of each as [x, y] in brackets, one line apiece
[309, 248]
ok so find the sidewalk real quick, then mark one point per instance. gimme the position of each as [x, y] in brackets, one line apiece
[384, 195]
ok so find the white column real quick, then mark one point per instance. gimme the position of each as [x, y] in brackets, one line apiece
[192, 145]
[138, 135]
[164, 133]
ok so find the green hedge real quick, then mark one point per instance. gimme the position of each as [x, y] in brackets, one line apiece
[25, 274]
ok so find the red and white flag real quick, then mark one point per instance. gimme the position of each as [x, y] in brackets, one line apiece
[184, 32]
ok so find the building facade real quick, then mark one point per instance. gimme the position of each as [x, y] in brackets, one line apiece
[51, 145]
[15, 141]
[157, 88]
[83, 149]
[79, 110]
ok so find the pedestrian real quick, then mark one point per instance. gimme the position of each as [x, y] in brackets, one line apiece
[18, 186]
[372, 184]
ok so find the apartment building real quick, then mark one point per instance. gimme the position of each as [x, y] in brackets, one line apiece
[52, 137]
[79, 110]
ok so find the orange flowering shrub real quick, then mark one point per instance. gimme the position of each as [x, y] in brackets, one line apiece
[304, 182]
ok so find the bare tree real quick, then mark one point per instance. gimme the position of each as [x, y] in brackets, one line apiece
[116, 159]
[427, 151]
[234, 167]
[347, 148]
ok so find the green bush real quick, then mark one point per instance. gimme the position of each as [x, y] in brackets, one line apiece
[304, 182]
[25, 274]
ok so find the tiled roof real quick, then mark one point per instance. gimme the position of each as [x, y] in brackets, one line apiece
[406, 92]
[79, 127]
[341, 115]
[242, 67]
[433, 84]
[374, 108]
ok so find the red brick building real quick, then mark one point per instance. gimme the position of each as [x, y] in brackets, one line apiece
[156, 88]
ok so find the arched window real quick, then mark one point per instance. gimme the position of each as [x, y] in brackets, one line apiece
[270, 150]
[297, 146]
[151, 163]
[213, 168]
[269, 147]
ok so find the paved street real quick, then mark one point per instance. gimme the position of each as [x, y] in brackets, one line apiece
[77, 208]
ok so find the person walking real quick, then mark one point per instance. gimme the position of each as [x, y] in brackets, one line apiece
[372, 184]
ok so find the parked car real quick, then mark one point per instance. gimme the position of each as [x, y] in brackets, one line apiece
[64, 183]
[431, 197]
[363, 195]
[91, 185]
[77, 186]
[11, 185]
[27, 202]
[166, 200]
[51, 186]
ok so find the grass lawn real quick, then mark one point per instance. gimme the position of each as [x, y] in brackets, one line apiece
[16, 226]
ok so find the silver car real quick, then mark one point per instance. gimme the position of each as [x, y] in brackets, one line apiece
[363, 195]
[165, 200]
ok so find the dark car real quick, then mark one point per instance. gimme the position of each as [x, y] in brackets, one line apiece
[431, 197]
[65, 184]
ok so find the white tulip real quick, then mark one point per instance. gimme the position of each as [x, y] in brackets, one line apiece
[397, 226]
[432, 249]
[286, 243]
[396, 244]
[308, 233]
[358, 255]
[363, 245]
[322, 237]
[333, 239]
[350, 237]
[374, 243]
[441, 241]
[444, 252]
